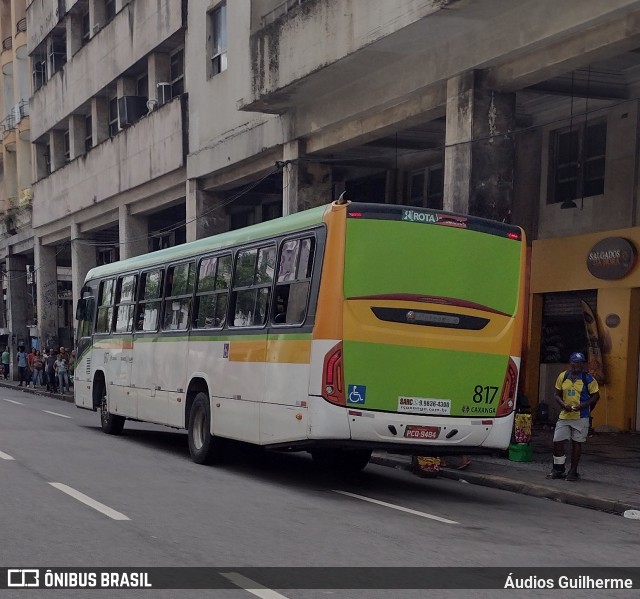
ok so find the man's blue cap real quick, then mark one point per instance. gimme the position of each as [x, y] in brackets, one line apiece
[577, 357]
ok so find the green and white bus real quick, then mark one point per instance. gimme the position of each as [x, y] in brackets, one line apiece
[337, 330]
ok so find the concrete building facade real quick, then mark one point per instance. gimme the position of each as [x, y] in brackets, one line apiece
[157, 122]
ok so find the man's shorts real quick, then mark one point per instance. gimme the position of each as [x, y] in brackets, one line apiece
[575, 429]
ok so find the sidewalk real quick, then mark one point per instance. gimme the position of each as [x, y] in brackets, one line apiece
[38, 391]
[609, 470]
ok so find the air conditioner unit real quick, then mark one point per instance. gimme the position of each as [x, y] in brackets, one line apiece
[130, 109]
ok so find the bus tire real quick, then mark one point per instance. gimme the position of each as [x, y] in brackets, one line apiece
[342, 460]
[112, 424]
[203, 446]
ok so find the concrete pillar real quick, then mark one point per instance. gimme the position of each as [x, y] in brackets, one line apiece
[83, 259]
[314, 185]
[126, 86]
[480, 152]
[99, 120]
[159, 69]
[77, 135]
[16, 304]
[304, 184]
[134, 234]
[97, 16]
[3, 306]
[291, 151]
[204, 213]
[23, 164]
[47, 293]
[74, 34]
[56, 149]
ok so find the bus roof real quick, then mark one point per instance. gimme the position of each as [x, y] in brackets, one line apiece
[277, 226]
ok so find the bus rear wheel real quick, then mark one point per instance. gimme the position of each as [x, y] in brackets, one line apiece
[112, 424]
[203, 446]
[342, 460]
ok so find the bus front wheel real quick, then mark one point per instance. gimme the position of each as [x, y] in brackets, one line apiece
[112, 424]
[203, 446]
[342, 460]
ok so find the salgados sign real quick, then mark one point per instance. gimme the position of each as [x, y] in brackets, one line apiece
[611, 258]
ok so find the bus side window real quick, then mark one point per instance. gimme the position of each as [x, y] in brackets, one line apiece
[125, 298]
[150, 301]
[85, 324]
[179, 292]
[212, 293]
[105, 307]
[252, 282]
[294, 279]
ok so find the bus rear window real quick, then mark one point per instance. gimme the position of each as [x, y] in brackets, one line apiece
[385, 257]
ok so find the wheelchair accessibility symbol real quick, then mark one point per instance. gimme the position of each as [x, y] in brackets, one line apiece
[356, 394]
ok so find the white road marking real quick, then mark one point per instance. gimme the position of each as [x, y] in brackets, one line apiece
[96, 505]
[398, 507]
[56, 414]
[13, 401]
[5, 456]
[252, 587]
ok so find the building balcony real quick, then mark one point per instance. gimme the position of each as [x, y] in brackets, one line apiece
[9, 139]
[136, 31]
[6, 57]
[302, 48]
[148, 149]
[20, 39]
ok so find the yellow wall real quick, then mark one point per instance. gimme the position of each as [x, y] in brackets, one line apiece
[559, 265]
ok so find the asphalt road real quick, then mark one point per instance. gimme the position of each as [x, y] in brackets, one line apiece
[149, 505]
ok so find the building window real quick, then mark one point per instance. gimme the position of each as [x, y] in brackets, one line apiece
[86, 28]
[177, 73]
[58, 53]
[39, 70]
[67, 146]
[110, 9]
[113, 117]
[577, 162]
[88, 136]
[142, 86]
[218, 36]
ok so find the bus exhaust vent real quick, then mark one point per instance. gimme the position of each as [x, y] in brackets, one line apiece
[88, 366]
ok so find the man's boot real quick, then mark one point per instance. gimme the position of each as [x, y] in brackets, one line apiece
[558, 467]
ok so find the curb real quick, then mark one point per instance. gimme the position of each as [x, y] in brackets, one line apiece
[58, 396]
[516, 486]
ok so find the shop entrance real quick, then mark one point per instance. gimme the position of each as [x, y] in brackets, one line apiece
[563, 332]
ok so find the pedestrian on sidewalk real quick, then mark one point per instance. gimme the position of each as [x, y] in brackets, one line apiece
[37, 369]
[61, 372]
[52, 378]
[23, 366]
[6, 361]
[576, 393]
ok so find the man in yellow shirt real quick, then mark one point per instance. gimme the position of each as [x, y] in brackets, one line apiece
[576, 393]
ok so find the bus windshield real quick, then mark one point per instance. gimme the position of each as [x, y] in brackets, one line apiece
[415, 258]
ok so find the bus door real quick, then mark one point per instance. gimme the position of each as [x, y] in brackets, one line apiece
[146, 360]
[171, 365]
[121, 350]
[85, 314]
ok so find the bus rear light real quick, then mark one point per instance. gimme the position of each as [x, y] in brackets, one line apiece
[513, 236]
[333, 376]
[508, 399]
